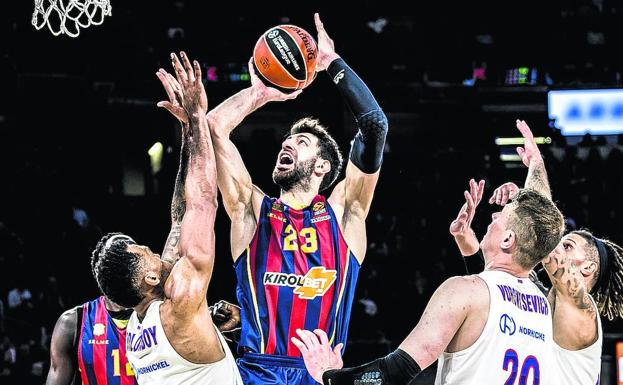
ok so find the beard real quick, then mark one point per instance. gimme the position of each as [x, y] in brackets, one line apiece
[297, 178]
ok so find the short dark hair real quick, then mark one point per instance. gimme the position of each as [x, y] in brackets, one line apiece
[116, 269]
[538, 225]
[609, 295]
[328, 148]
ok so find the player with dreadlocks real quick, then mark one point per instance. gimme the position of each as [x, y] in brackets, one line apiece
[586, 274]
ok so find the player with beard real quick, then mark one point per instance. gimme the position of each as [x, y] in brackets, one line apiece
[297, 256]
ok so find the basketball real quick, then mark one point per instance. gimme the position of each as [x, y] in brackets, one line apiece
[285, 58]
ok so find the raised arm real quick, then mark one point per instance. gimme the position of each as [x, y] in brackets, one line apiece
[178, 202]
[241, 198]
[62, 350]
[354, 194]
[461, 227]
[200, 189]
[188, 282]
[531, 158]
[575, 315]
[234, 180]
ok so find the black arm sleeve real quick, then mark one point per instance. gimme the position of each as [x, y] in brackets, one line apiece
[397, 368]
[367, 149]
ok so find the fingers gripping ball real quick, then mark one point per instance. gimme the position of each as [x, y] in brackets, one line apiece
[285, 58]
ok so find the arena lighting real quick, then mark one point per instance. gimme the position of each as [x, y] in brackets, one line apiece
[510, 158]
[155, 155]
[156, 149]
[520, 141]
[579, 112]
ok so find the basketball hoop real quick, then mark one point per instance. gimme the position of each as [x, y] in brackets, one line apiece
[68, 16]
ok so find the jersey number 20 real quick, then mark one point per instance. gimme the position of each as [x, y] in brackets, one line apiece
[511, 362]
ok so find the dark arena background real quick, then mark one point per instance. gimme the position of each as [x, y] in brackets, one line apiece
[84, 150]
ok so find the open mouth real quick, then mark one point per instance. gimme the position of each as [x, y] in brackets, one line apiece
[285, 161]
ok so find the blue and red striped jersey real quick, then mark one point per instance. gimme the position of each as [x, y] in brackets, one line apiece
[297, 273]
[101, 348]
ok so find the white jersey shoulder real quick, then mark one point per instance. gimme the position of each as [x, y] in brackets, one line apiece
[155, 361]
[580, 367]
[516, 344]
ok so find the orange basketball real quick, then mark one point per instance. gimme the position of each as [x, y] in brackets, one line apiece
[285, 58]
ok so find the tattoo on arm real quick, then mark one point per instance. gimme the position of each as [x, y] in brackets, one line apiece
[568, 282]
[171, 252]
[537, 179]
[178, 204]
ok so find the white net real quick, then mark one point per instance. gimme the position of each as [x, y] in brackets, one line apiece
[68, 16]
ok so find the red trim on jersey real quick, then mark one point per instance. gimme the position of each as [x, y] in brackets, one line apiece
[83, 372]
[99, 350]
[273, 264]
[299, 306]
[328, 261]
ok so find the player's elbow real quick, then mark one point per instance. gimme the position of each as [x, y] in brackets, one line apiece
[215, 124]
[383, 121]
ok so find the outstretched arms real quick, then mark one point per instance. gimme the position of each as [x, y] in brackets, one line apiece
[62, 351]
[200, 190]
[531, 158]
[191, 275]
[234, 180]
[461, 227]
[241, 198]
[170, 253]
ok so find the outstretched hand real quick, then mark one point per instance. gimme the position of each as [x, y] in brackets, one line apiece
[172, 87]
[317, 353]
[530, 151]
[463, 221]
[326, 47]
[192, 95]
[504, 193]
[268, 94]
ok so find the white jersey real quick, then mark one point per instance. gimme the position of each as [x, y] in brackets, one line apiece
[155, 361]
[581, 367]
[516, 344]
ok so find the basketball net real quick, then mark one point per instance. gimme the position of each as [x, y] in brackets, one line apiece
[68, 16]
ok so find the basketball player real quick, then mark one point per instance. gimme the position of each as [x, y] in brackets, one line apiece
[101, 324]
[86, 338]
[490, 328]
[297, 256]
[583, 267]
[170, 337]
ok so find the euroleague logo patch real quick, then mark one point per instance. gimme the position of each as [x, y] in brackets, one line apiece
[314, 284]
[273, 34]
